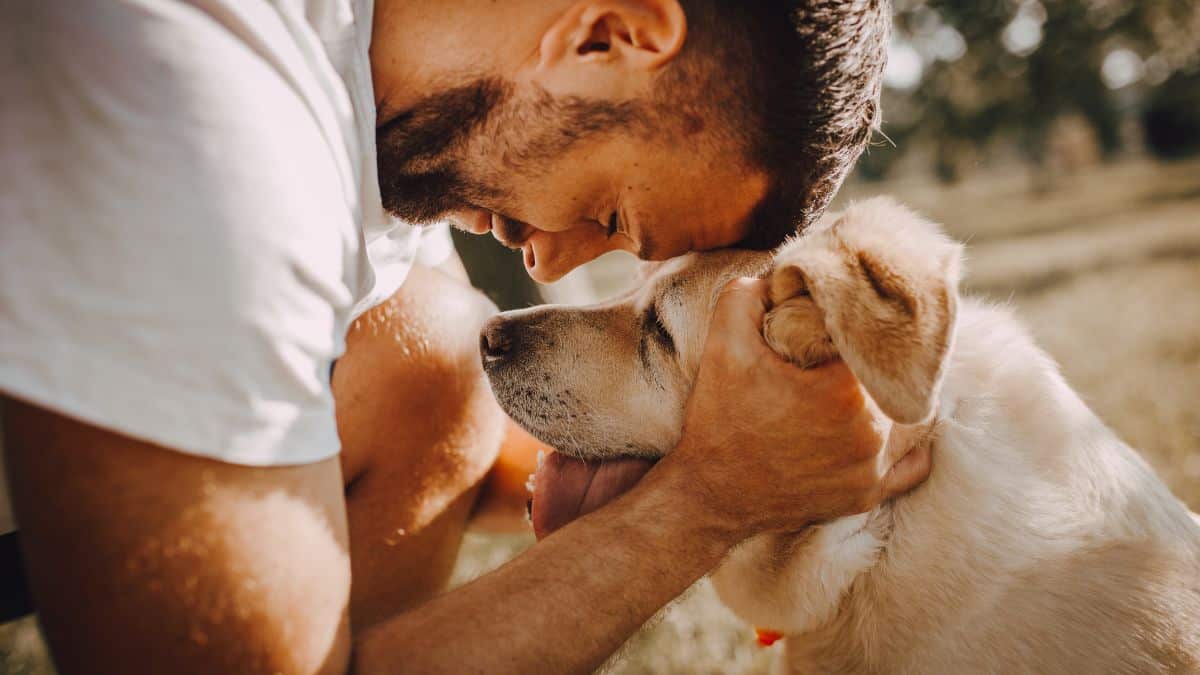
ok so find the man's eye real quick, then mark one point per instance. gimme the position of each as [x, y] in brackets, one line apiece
[612, 225]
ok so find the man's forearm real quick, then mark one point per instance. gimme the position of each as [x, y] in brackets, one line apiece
[564, 605]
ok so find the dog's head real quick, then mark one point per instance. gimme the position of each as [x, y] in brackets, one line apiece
[877, 289]
[612, 379]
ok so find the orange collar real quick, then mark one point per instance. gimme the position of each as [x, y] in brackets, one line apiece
[766, 637]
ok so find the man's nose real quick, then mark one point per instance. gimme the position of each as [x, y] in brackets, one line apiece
[498, 340]
[475, 221]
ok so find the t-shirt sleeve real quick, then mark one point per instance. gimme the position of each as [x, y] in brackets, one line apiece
[175, 235]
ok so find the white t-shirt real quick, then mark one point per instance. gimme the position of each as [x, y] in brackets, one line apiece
[190, 217]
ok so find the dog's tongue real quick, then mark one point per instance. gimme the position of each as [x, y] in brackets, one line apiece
[565, 488]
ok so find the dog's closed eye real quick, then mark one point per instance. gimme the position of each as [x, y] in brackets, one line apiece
[652, 325]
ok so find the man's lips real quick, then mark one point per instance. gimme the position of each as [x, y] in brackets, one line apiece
[565, 488]
[510, 233]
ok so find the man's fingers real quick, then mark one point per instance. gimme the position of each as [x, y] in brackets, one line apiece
[738, 318]
[832, 379]
[742, 302]
[909, 472]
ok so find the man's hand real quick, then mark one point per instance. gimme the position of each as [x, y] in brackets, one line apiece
[775, 447]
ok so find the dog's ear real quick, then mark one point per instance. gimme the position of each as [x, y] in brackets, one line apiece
[879, 288]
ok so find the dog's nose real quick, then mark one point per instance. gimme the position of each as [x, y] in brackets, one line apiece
[497, 339]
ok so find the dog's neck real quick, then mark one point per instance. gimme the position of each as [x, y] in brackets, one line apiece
[793, 582]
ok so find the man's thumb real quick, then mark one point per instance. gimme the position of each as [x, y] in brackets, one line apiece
[740, 310]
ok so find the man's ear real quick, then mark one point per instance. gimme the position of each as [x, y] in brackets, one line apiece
[884, 282]
[610, 48]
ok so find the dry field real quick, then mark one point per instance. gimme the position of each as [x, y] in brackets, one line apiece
[1106, 271]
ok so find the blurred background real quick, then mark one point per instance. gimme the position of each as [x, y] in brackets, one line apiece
[1061, 141]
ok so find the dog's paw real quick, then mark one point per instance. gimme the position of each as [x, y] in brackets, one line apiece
[794, 326]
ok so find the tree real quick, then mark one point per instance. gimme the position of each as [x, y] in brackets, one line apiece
[963, 74]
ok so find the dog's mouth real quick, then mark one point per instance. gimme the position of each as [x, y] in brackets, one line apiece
[565, 488]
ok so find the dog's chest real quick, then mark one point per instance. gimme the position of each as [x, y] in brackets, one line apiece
[793, 583]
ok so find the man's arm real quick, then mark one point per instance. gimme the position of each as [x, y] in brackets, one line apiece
[150, 561]
[568, 602]
[145, 560]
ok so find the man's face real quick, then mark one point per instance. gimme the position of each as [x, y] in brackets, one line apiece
[487, 162]
[566, 156]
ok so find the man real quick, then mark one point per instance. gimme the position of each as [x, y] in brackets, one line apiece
[193, 216]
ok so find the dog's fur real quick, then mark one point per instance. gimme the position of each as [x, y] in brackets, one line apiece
[1040, 543]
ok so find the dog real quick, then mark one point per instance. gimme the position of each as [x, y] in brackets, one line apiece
[1040, 542]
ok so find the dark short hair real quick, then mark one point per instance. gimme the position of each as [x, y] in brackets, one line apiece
[795, 85]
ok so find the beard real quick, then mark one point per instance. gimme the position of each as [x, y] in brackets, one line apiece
[421, 153]
[418, 153]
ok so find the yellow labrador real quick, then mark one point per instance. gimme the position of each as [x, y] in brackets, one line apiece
[1040, 543]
